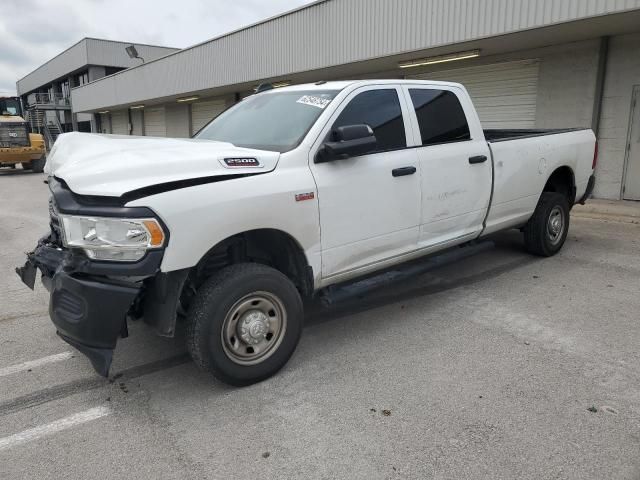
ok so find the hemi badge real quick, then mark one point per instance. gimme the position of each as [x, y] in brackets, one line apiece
[305, 196]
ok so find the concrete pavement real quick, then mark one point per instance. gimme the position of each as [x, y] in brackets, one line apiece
[610, 210]
[502, 366]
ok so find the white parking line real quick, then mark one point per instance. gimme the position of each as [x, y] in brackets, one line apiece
[21, 367]
[54, 427]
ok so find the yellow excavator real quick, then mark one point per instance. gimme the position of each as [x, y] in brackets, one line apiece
[17, 143]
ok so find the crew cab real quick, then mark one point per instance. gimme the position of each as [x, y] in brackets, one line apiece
[288, 192]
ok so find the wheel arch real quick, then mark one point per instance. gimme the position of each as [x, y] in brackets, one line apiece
[169, 294]
[270, 246]
[562, 180]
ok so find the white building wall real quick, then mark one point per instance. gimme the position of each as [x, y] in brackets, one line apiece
[88, 52]
[567, 85]
[68, 61]
[331, 33]
[623, 72]
[113, 54]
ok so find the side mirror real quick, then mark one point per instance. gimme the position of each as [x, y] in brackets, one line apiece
[348, 141]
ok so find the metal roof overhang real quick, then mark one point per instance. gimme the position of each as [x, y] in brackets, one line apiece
[238, 61]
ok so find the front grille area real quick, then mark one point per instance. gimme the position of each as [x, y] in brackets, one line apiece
[54, 223]
[13, 135]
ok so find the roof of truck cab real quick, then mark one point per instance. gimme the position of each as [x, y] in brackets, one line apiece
[342, 84]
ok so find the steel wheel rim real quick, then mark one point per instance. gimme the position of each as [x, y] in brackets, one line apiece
[253, 328]
[555, 225]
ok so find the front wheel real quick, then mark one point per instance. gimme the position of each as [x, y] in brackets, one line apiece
[244, 323]
[546, 231]
[37, 166]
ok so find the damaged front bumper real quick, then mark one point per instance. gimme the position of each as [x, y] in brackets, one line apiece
[89, 301]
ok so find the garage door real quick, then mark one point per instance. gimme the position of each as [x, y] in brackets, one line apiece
[120, 122]
[504, 94]
[203, 112]
[105, 123]
[136, 121]
[154, 123]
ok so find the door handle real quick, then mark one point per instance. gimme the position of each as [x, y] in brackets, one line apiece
[402, 171]
[477, 159]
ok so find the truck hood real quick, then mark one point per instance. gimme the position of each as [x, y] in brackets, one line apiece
[112, 165]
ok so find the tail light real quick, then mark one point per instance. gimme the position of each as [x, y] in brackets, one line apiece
[595, 157]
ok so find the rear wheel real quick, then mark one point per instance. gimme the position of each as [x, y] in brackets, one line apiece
[26, 165]
[244, 323]
[547, 229]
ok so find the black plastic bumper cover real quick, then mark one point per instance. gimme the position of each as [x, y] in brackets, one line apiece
[89, 312]
[92, 313]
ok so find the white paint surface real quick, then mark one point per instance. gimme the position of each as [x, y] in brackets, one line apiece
[111, 165]
[53, 427]
[24, 366]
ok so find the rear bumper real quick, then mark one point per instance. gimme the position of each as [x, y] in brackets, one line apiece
[589, 191]
[89, 310]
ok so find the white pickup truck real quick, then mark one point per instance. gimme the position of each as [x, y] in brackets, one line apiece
[288, 192]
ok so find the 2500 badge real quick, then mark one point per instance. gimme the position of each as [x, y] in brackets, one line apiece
[242, 162]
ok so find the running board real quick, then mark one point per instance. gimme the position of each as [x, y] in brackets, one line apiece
[338, 293]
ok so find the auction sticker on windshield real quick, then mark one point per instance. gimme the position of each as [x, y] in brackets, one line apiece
[314, 101]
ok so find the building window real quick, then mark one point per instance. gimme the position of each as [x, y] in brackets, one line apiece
[82, 79]
[66, 91]
[440, 116]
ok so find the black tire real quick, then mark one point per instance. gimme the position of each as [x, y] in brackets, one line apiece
[37, 166]
[539, 236]
[26, 165]
[218, 298]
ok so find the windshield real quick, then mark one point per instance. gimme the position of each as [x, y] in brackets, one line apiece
[275, 121]
[9, 106]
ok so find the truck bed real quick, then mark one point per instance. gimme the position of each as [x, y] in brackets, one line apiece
[501, 135]
[523, 160]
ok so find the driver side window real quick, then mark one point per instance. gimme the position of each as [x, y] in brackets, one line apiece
[380, 109]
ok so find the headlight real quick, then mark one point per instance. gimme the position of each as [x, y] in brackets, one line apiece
[112, 239]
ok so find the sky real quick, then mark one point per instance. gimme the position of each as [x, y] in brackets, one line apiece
[34, 31]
